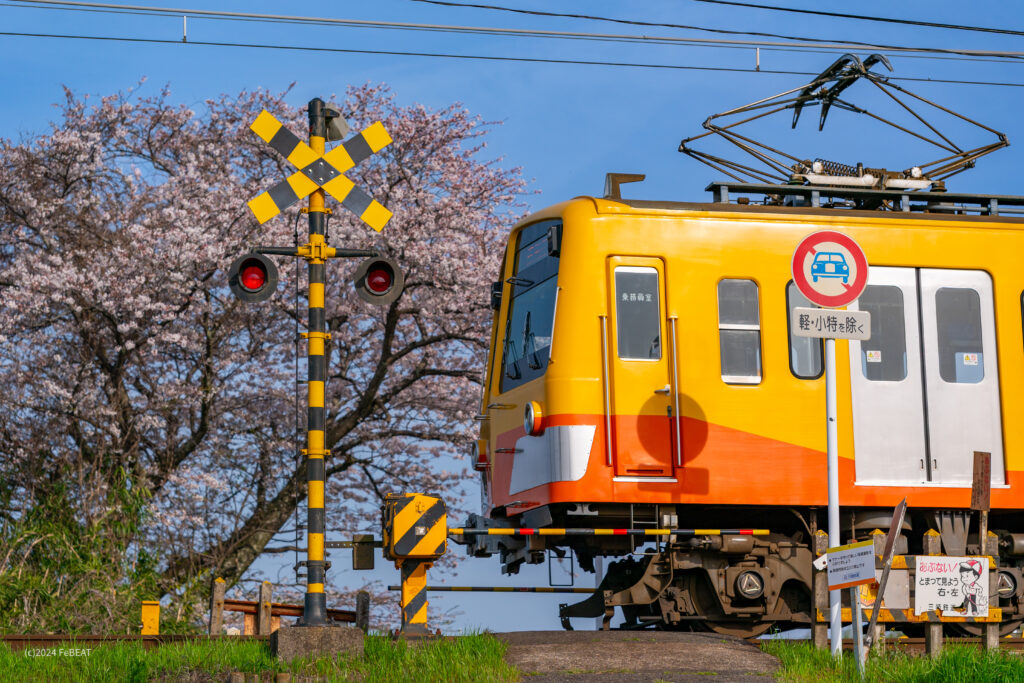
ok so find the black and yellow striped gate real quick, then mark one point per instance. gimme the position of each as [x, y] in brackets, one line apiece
[415, 534]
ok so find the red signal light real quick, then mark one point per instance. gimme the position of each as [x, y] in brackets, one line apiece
[379, 279]
[253, 276]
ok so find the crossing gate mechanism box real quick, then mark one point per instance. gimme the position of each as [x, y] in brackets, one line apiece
[415, 526]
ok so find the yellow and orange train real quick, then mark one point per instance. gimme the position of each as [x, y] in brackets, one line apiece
[643, 374]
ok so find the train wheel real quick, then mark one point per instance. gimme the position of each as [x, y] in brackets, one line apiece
[706, 604]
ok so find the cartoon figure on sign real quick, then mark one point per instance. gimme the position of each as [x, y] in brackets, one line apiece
[975, 595]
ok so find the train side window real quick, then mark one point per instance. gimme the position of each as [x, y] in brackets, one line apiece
[883, 357]
[637, 313]
[958, 318]
[527, 337]
[739, 331]
[804, 352]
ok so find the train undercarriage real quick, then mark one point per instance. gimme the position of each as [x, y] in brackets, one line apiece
[742, 585]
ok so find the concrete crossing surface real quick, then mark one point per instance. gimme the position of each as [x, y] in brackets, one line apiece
[635, 657]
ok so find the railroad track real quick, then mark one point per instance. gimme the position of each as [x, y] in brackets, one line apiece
[40, 640]
[917, 644]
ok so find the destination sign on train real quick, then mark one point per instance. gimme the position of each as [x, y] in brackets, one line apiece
[830, 323]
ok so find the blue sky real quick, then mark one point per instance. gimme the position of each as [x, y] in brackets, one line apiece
[565, 125]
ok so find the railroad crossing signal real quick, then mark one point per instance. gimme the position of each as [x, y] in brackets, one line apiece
[379, 280]
[320, 171]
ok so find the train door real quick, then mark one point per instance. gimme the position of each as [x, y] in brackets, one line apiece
[961, 376]
[925, 386]
[640, 389]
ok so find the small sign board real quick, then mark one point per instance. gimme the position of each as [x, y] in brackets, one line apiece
[830, 323]
[981, 490]
[829, 268]
[851, 565]
[958, 586]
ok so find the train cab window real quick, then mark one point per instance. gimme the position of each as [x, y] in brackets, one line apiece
[739, 331]
[527, 338]
[804, 352]
[883, 357]
[958, 318]
[638, 312]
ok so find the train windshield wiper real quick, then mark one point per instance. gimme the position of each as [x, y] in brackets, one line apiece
[511, 368]
[530, 345]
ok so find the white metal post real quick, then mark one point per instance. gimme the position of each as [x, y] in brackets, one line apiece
[832, 437]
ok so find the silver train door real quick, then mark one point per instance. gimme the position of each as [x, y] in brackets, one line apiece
[926, 385]
[961, 375]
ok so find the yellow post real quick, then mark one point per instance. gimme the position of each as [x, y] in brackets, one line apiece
[314, 612]
[150, 617]
[414, 597]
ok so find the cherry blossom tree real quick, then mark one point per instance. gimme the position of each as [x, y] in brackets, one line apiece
[154, 411]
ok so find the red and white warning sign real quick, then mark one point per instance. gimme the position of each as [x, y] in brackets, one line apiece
[830, 269]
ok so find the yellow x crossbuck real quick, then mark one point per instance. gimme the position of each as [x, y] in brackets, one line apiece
[320, 171]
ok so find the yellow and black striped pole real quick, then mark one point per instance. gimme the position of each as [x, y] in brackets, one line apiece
[318, 173]
[314, 611]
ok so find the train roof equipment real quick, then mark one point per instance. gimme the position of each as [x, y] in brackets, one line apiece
[771, 166]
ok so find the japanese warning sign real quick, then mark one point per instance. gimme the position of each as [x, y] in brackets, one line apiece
[956, 585]
[829, 323]
[851, 565]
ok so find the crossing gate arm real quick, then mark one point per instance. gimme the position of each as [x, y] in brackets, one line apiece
[525, 531]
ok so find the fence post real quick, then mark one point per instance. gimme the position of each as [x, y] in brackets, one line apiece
[249, 625]
[363, 611]
[819, 629]
[991, 629]
[932, 544]
[217, 607]
[263, 625]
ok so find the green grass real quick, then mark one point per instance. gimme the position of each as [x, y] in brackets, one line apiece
[802, 663]
[469, 659]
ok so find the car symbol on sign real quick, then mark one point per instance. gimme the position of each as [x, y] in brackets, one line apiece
[829, 264]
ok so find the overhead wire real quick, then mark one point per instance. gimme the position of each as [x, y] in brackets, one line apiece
[638, 22]
[865, 17]
[495, 58]
[614, 38]
[329, 21]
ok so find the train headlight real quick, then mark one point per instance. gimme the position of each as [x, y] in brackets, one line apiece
[533, 419]
[479, 456]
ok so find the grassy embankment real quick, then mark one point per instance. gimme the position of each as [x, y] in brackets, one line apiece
[469, 659]
[802, 663]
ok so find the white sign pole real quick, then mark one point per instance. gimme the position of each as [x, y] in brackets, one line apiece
[831, 270]
[832, 437]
